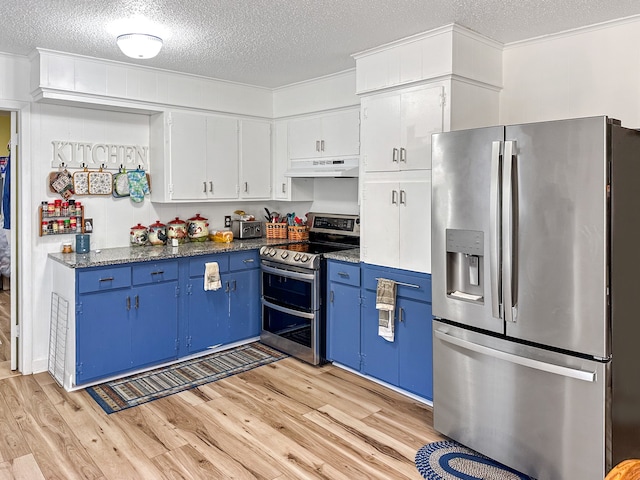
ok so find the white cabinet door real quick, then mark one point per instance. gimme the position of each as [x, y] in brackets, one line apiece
[415, 225]
[397, 128]
[187, 151]
[341, 134]
[255, 160]
[304, 138]
[221, 175]
[380, 132]
[281, 184]
[396, 224]
[421, 115]
[380, 225]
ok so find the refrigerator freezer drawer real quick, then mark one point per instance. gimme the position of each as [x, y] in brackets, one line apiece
[540, 412]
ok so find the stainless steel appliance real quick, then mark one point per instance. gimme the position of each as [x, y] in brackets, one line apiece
[535, 275]
[294, 283]
[246, 228]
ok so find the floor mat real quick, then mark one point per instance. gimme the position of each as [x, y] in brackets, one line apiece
[448, 460]
[144, 387]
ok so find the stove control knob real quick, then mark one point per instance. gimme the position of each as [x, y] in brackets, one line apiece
[304, 258]
[272, 252]
[284, 255]
[297, 256]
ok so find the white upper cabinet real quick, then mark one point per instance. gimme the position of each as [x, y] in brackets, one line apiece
[255, 159]
[220, 176]
[285, 188]
[330, 135]
[397, 128]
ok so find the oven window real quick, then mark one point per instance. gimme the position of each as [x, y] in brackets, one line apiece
[287, 325]
[289, 292]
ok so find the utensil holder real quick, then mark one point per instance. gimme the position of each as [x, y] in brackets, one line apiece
[276, 230]
[298, 232]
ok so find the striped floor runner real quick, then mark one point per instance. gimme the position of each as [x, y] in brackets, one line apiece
[144, 387]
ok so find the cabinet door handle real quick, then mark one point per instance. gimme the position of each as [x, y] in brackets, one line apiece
[322, 145]
[317, 145]
[226, 288]
[204, 187]
[128, 303]
[331, 296]
[343, 274]
[137, 304]
[157, 272]
[248, 260]
[246, 187]
[235, 286]
[400, 315]
[211, 187]
[284, 188]
[394, 155]
[403, 155]
[106, 279]
[403, 197]
[394, 197]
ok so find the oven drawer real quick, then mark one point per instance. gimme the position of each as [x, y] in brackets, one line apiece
[346, 273]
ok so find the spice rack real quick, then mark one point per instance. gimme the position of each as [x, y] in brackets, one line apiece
[56, 218]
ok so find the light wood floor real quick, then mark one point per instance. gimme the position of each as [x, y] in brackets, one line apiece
[286, 420]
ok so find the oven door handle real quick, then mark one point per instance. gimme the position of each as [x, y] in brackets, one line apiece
[307, 277]
[290, 311]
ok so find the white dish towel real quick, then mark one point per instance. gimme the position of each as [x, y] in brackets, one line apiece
[212, 276]
[386, 306]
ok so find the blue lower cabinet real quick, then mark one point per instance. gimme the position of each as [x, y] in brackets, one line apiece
[407, 361]
[343, 313]
[125, 319]
[244, 305]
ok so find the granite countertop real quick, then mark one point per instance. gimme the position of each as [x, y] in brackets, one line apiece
[352, 255]
[119, 255]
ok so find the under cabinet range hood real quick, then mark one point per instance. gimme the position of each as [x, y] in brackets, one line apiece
[312, 168]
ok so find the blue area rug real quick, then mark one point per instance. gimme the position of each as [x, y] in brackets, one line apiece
[448, 460]
[130, 391]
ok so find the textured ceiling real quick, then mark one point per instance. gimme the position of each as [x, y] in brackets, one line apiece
[273, 43]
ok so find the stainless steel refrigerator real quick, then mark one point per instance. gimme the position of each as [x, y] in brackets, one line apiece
[536, 294]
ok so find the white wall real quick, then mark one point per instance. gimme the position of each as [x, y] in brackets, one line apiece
[592, 71]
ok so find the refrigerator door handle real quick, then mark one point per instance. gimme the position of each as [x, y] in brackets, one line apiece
[509, 287]
[517, 359]
[494, 234]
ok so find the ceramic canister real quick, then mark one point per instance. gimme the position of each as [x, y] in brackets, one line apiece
[138, 235]
[157, 233]
[197, 229]
[177, 229]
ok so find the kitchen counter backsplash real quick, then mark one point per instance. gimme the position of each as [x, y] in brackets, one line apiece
[119, 255]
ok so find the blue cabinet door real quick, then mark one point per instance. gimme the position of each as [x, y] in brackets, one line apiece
[206, 313]
[415, 363]
[343, 325]
[154, 326]
[244, 305]
[103, 343]
[379, 356]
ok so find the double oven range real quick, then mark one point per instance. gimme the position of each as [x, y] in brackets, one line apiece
[293, 286]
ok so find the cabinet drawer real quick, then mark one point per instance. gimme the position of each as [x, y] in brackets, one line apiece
[244, 260]
[104, 279]
[155, 272]
[196, 265]
[344, 273]
[412, 285]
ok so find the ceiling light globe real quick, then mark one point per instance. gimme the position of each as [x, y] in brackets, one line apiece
[139, 45]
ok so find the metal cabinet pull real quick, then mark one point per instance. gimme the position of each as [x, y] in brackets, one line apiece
[137, 304]
[403, 197]
[322, 145]
[246, 187]
[343, 274]
[106, 279]
[394, 155]
[317, 145]
[331, 296]
[128, 303]
[226, 288]
[204, 187]
[400, 310]
[157, 272]
[211, 187]
[284, 188]
[394, 197]
[248, 260]
[235, 286]
[403, 155]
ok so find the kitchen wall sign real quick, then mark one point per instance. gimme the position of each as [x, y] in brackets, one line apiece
[107, 155]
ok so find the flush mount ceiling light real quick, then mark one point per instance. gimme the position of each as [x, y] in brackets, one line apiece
[139, 45]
